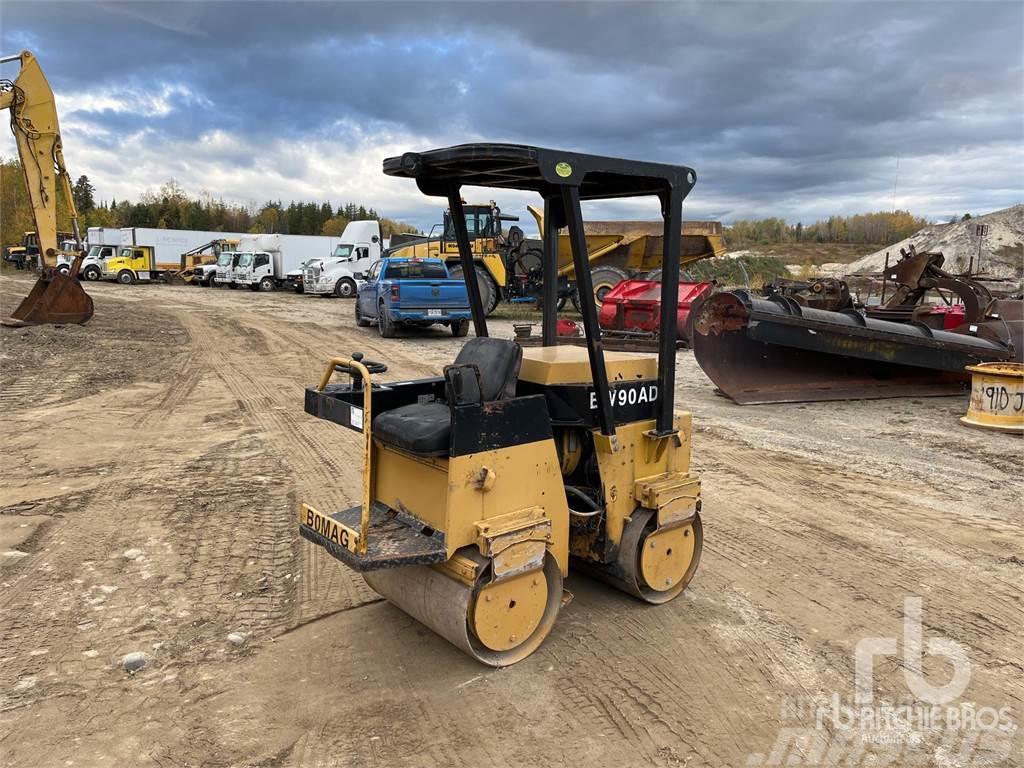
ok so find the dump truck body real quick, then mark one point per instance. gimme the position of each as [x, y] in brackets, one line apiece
[511, 265]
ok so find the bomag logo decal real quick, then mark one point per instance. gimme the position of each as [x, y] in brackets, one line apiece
[327, 528]
[629, 395]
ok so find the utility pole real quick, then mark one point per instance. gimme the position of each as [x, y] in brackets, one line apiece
[980, 230]
[895, 183]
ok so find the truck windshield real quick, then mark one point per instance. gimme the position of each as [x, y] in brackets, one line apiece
[244, 259]
[424, 270]
[94, 251]
[126, 253]
[224, 260]
[342, 251]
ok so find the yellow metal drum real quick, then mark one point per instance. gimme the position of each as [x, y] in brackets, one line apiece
[997, 397]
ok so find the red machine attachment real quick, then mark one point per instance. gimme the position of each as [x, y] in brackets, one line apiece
[633, 307]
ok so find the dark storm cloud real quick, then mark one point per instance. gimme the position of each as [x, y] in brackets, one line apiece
[782, 107]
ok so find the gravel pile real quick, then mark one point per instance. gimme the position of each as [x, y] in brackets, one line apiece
[1002, 251]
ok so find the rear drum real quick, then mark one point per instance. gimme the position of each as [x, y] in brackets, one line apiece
[654, 564]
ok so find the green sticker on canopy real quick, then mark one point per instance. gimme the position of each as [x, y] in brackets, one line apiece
[564, 170]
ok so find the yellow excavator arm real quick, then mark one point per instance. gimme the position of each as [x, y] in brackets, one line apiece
[56, 297]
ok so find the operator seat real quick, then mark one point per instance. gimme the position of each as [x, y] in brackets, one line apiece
[485, 370]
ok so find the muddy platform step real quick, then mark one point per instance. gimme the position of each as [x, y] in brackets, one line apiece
[393, 540]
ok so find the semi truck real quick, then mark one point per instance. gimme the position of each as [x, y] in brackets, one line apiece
[147, 254]
[266, 262]
[360, 248]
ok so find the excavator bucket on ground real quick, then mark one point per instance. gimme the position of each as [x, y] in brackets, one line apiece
[57, 298]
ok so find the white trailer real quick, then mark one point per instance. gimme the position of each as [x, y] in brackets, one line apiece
[338, 275]
[265, 262]
[103, 236]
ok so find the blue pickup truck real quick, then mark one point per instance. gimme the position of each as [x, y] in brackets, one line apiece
[412, 292]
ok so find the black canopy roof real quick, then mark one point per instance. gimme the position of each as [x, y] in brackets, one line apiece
[516, 166]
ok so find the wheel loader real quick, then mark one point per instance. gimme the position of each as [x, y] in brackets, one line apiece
[484, 487]
[58, 296]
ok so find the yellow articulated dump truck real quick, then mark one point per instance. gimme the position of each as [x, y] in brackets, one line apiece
[512, 264]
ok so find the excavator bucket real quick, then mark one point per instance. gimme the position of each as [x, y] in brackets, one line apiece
[774, 350]
[57, 298]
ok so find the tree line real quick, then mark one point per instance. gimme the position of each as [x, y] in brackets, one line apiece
[880, 228]
[171, 208]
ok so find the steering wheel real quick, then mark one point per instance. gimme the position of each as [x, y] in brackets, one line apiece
[371, 366]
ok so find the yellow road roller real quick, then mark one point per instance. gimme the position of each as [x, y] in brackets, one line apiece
[483, 486]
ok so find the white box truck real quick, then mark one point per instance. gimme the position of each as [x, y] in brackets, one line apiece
[100, 243]
[147, 253]
[338, 275]
[266, 262]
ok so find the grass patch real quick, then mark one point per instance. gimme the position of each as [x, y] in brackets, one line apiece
[739, 272]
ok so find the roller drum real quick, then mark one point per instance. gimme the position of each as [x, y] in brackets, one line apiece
[444, 604]
[638, 562]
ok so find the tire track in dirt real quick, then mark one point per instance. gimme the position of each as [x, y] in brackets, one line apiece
[326, 460]
[270, 397]
[878, 544]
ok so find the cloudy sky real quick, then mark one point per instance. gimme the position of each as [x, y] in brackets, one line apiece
[793, 109]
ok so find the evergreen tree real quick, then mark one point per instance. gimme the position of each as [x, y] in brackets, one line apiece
[82, 192]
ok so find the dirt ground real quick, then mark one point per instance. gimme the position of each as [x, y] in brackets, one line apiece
[153, 464]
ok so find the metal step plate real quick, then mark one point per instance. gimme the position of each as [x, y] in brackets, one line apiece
[391, 541]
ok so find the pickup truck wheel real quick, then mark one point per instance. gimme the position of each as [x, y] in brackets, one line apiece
[384, 323]
[125, 277]
[488, 288]
[345, 288]
[461, 328]
[361, 321]
[266, 284]
[92, 272]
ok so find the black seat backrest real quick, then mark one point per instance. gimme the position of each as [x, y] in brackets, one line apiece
[498, 361]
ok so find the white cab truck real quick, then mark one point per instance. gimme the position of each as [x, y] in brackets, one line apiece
[266, 262]
[339, 274]
[100, 243]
